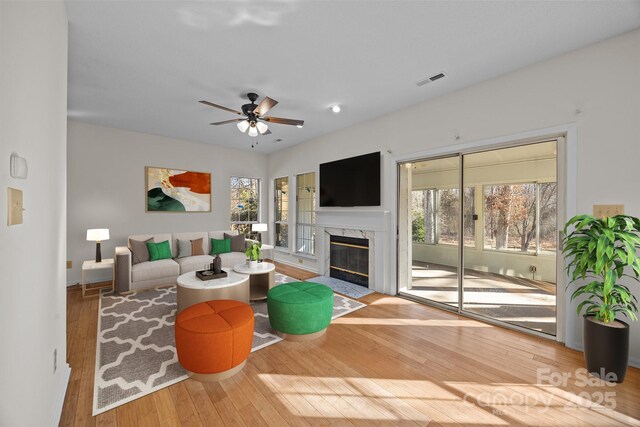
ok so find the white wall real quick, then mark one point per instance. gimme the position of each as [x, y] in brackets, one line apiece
[33, 109]
[600, 80]
[106, 186]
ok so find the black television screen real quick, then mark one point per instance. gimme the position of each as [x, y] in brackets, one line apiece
[351, 182]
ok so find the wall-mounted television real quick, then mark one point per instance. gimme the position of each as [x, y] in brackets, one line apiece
[351, 182]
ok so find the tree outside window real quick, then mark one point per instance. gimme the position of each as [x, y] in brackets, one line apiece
[520, 217]
[281, 203]
[435, 216]
[245, 204]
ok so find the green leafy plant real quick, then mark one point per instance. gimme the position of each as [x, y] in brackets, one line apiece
[602, 250]
[253, 251]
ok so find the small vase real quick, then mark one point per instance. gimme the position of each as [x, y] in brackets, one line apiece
[253, 264]
[217, 264]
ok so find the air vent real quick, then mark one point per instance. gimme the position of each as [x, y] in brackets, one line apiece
[430, 79]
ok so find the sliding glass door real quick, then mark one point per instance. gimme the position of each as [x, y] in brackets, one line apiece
[434, 216]
[502, 204]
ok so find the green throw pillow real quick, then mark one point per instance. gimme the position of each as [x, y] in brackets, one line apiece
[159, 251]
[220, 246]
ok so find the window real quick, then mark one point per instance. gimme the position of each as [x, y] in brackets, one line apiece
[281, 203]
[305, 213]
[520, 217]
[435, 216]
[245, 204]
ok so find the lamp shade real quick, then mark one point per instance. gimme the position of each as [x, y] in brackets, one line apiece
[259, 227]
[98, 234]
[243, 126]
[262, 128]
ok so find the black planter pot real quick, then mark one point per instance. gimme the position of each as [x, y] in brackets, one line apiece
[606, 349]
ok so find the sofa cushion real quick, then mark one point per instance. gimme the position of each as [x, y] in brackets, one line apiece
[193, 263]
[151, 270]
[184, 248]
[190, 247]
[237, 242]
[158, 251]
[190, 236]
[197, 247]
[221, 246]
[156, 238]
[139, 250]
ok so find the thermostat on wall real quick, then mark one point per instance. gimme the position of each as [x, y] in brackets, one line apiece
[18, 167]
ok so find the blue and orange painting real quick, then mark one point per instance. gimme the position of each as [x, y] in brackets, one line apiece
[174, 190]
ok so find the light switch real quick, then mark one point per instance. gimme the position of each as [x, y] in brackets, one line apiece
[14, 206]
[600, 211]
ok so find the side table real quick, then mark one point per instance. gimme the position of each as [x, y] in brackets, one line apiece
[106, 264]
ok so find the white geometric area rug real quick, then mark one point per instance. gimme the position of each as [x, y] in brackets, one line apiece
[135, 350]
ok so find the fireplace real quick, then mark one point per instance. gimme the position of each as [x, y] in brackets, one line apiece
[349, 259]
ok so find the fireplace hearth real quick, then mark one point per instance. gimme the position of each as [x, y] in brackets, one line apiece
[349, 259]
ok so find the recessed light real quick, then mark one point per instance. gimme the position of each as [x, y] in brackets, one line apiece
[299, 126]
[336, 108]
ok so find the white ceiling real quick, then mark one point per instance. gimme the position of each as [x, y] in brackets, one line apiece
[143, 65]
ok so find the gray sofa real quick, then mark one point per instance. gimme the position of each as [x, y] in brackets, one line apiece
[165, 271]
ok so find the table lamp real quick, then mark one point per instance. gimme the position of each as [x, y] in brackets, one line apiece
[259, 228]
[97, 235]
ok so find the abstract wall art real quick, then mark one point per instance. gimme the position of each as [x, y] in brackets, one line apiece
[174, 190]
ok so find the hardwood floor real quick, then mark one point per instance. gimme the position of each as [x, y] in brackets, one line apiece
[392, 363]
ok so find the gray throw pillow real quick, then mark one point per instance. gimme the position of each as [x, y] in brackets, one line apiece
[184, 248]
[139, 250]
[237, 242]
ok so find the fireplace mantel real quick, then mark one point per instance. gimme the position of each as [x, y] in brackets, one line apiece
[358, 219]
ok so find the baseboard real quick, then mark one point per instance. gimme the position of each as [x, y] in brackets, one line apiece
[57, 410]
[301, 267]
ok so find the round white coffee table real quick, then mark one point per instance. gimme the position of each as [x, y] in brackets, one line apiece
[262, 278]
[192, 290]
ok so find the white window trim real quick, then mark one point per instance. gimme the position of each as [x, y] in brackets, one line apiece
[231, 222]
[296, 252]
[281, 248]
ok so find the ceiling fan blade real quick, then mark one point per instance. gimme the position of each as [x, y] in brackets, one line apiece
[226, 121]
[267, 132]
[211, 104]
[265, 105]
[282, 121]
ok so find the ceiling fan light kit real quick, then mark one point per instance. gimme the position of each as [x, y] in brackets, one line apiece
[255, 116]
[243, 126]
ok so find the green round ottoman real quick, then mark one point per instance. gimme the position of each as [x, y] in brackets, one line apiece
[300, 311]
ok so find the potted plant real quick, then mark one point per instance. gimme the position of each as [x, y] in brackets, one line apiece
[601, 251]
[253, 254]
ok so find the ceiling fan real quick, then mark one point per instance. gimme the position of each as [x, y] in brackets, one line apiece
[255, 118]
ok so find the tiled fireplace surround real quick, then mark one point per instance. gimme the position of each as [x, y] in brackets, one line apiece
[372, 225]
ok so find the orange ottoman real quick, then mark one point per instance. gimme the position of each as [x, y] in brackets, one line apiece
[213, 338]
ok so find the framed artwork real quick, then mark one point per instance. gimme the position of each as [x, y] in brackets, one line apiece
[175, 190]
